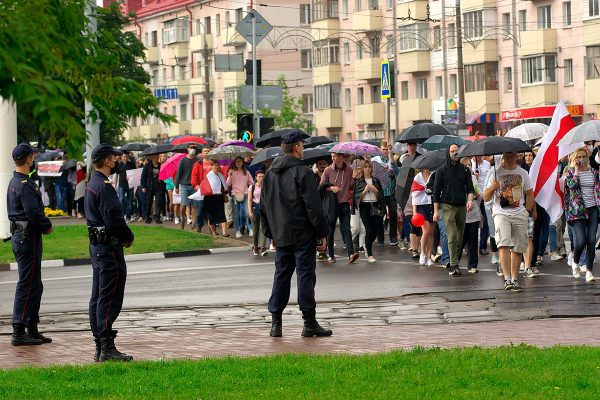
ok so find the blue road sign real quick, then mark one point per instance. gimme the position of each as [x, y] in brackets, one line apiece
[386, 86]
[167, 94]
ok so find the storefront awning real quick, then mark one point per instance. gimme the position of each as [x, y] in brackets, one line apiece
[471, 119]
[576, 110]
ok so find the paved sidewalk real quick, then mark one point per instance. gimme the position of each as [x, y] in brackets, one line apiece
[194, 343]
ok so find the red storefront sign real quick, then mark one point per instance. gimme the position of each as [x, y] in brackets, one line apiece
[576, 110]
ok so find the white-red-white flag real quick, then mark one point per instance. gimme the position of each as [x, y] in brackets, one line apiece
[544, 169]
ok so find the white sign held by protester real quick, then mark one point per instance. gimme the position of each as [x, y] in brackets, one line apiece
[49, 168]
[134, 176]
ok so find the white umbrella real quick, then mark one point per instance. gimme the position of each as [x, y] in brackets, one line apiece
[582, 133]
[528, 131]
[229, 153]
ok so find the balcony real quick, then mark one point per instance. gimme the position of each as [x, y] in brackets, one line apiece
[417, 8]
[414, 61]
[150, 131]
[232, 38]
[179, 50]
[373, 113]
[328, 118]
[328, 28]
[152, 55]
[199, 86]
[537, 42]
[326, 74]
[367, 20]
[482, 102]
[200, 42]
[182, 85]
[233, 79]
[538, 95]
[368, 68]
[592, 91]
[467, 5]
[179, 129]
[415, 110]
[199, 126]
[486, 51]
[591, 33]
[132, 132]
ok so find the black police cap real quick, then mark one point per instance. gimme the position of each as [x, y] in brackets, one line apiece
[294, 136]
[22, 151]
[104, 150]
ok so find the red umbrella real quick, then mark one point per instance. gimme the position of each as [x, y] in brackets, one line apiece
[168, 168]
[189, 139]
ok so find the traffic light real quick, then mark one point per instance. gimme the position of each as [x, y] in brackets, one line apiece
[266, 125]
[248, 68]
[245, 128]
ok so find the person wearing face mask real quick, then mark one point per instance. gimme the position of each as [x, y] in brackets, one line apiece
[183, 184]
[109, 234]
[27, 225]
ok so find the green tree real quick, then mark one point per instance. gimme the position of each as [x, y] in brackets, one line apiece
[290, 115]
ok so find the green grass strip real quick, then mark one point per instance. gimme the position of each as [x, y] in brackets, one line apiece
[519, 372]
[71, 241]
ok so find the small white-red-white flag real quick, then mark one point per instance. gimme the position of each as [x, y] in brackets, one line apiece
[544, 169]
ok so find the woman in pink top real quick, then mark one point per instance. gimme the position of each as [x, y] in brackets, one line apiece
[239, 180]
[254, 211]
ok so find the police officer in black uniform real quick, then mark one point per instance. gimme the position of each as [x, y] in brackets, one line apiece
[108, 234]
[293, 217]
[27, 225]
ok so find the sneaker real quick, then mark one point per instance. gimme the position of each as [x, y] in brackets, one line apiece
[402, 245]
[495, 259]
[473, 270]
[554, 256]
[483, 252]
[576, 273]
[415, 254]
[352, 259]
[321, 257]
[422, 259]
[508, 285]
[361, 249]
[255, 251]
[589, 277]
[272, 247]
[570, 260]
[435, 258]
[535, 270]
[499, 271]
[371, 259]
[454, 271]
[516, 287]
[529, 273]
[250, 233]
[264, 251]
[394, 242]
[165, 218]
[380, 244]
[583, 268]
[189, 221]
[439, 250]
[539, 261]
[176, 220]
[522, 266]
[430, 262]
[140, 219]
[238, 234]
[330, 260]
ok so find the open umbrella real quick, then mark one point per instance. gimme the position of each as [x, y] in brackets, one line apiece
[183, 147]
[356, 148]
[442, 142]
[168, 168]
[189, 139]
[158, 149]
[421, 132]
[399, 148]
[266, 154]
[582, 133]
[528, 131]
[69, 164]
[431, 160]
[229, 153]
[493, 145]
[315, 141]
[315, 154]
[239, 143]
[135, 146]
[274, 138]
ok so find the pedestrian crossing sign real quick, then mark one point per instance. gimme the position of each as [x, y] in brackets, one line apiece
[386, 84]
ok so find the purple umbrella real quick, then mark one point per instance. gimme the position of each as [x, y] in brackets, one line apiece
[356, 148]
[239, 143]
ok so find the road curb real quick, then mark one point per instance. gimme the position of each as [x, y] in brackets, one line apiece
[133, 257]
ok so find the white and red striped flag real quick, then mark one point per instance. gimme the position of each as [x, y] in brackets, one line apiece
[544, 169]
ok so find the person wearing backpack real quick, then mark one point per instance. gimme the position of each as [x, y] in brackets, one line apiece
[254, 213]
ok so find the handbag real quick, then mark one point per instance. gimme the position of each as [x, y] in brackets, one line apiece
[239, 197]
[376, 210]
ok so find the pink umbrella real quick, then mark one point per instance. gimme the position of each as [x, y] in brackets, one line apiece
[356, 148]
[169, 167]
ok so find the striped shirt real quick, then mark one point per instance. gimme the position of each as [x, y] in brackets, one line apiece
[586, 183]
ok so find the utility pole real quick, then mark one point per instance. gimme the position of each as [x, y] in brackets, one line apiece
[396, 61]
[461, 70]
[207, 90]
[444, 58]
[515, 81]
[256, 121]
[92, 128]
[8, 139]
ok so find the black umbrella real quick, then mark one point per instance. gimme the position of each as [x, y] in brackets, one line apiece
[266, 154]
[313, 155]
[48, 155]
[431, 160]
[158, 149]
[183, 147]
[315, 141]
[274, 138]
[69, 164]
[493, 145]
[135, 146]
[421, 132]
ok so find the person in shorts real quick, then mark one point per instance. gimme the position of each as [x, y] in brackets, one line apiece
[422, 204]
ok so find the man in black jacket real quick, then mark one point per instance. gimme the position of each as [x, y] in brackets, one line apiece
[294, 220]
[453, 185]
[150, 186]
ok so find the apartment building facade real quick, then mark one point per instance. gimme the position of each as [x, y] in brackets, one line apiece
[515, 69]
[182, 38]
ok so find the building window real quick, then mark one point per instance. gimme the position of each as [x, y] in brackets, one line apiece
[239, 15]
[374, 44]
[389, 4]
[183, 112]
[508, 79]
[473, 24]
[207, 26]
[523, 20]
[404, 90]
[327, 96]
[357, 5]
[540, 69]
[326, 52]
[566, 14]
[218, 24]
[568, 65]
[373, 4]
[307, 103]
[544, 17]
[347, 99]
[592, 56]
[359, 51]
[176, 31]
[593, 8]
[304, 14]
[154, 37]
[390, 46]
[231, 95]
[306, 59]
[227, 19]
[451, 35]
[437, 37]
[479, 77]
[220, 109]
[506, 24]
[439, 89]
[173, 76]
[413, 37]
[375, 94]
[453, 85]
[360, 96]
[421, 88]
[346, 53]
[345, 11]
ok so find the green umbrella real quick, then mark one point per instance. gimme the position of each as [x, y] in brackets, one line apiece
[438, 142]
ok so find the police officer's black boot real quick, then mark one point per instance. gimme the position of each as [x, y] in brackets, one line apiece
[109, 352]
[276, 325]
[32, 330]
[98, 349]
[312, 327]
[21, 338]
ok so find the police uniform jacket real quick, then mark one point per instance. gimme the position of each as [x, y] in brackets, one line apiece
[25, 203]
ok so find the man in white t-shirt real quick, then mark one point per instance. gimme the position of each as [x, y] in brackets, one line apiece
[513, 203]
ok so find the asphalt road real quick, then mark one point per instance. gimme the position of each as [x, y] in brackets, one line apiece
[240, 278]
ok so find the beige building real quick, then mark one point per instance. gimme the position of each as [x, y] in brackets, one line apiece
[511, 74]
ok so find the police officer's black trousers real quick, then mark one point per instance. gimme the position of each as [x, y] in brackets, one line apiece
[28, 253]
[108, 288]
[301, 258]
